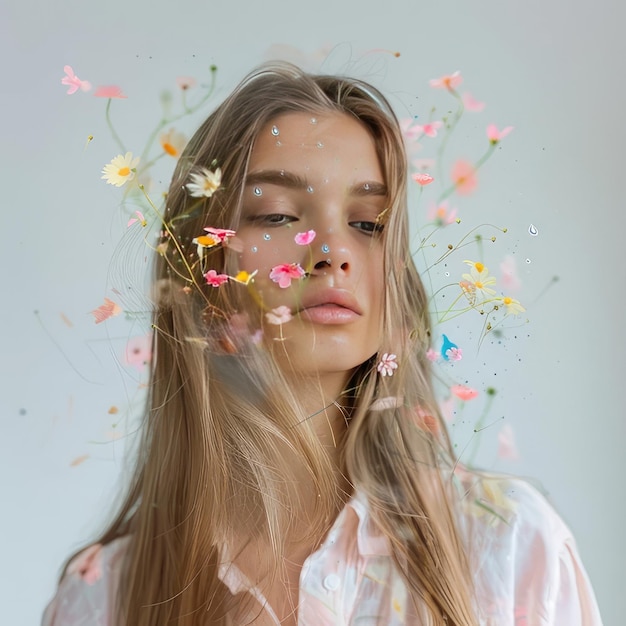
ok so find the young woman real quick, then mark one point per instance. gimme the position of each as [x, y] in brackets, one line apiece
[294, 468]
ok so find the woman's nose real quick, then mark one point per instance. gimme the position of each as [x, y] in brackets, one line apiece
[332, 255]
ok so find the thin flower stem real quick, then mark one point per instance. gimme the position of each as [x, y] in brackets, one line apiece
[449, 130]
[116, 137]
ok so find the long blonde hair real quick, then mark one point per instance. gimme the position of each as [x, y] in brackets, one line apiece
[225, 446]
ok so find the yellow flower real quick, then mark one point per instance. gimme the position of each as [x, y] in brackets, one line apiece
[478, 280]
[244, 277]
[173, 142]
[204, 184]
[204, 242]
[512, 306]
[120, 170]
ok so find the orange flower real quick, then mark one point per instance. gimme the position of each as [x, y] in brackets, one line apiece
[173, 142]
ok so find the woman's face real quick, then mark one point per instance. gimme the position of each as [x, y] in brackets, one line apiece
[316, 173]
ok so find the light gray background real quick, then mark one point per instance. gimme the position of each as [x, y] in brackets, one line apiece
[553, 69]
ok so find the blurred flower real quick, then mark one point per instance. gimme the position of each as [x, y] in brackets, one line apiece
[87, 564]
[286, 272]
[204, 184]
[214, 279]
[462, 392]
[430, 129]
[494, 135]
[387, 364]
[222, 234]
[139, 351]
[279, 315]
[73, 82]
[432, 355]
[244, 277]
[186, 82]
[304, 239]
[173, 142]
[422, 178]
[120, 170]
[140, 218]
[410, 130]
[512, 306]
[106, 310]
[112, 91]
[471, 104]
[509, 279]
[506, 444]
[447, 82]
[440, 215]
[464, 177]
[423, 164]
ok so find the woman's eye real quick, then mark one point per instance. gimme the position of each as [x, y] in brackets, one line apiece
[273, 219]
[368, 227]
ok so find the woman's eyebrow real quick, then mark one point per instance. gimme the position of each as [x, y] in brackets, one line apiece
[369, 188]
[277, 177]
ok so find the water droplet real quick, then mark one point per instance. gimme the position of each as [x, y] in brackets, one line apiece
[279, 144]
[267, 236]
[532, 229]
[254, 249]
[366, 186]
[257, 191]
[320, 144]
[325, 248]
[313, 120]
[527, 260]
[275, 131]
[309, 189]
[447, 273]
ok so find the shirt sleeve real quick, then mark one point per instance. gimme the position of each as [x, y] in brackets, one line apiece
[84, 594]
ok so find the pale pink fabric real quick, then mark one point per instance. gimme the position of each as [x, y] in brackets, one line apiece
[527, 570]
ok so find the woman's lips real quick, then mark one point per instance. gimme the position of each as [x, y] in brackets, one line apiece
[329, 313]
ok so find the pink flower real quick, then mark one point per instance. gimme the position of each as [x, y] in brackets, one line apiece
[285, 273]
[509, 279]
[422, 178]
[88, 564]
[432, 355]
[106, 310]
[506, 444]
[304, 239]
[112, 91]
[214, 279]
[185, 82]
[140, 218]
[223, 234]
[454, 354]
[448, 82]
[387, 364]
[279, 315]
[410, 131]
[463, 393]
[139, 351]
[440, 215]
[494, 135]
[471, 104]
[73, 82]
[430, 130]
[464, 177]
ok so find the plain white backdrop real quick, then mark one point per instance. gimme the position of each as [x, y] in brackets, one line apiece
[554, 70]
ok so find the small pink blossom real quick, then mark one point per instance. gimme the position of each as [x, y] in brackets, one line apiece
[471, 104]
[140, 218]
[106, 310]
[462, 392]
[464, 177]
[410, 130]
[88, 564]
[387, 364]
[304, 239]
[214, 279]
[73, 82]
[494, 135]
[441, 215]
[139, 351]
[223, 234]
[422, 178]
[186, 82]
[279, 315]
[454, 354]
[506, 444]
[110, 91]
[286, 272]
[432, 355]
[448, 82]
[430, 129]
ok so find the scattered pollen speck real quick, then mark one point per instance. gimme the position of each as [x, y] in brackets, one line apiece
[22, 411]
[113, 410]
[78, 460]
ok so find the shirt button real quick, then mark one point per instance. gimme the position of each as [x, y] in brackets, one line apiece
[332, 582]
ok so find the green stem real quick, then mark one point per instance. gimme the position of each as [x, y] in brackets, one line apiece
[116, 137]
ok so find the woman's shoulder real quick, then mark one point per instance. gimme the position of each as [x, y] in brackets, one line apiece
[84, 594]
